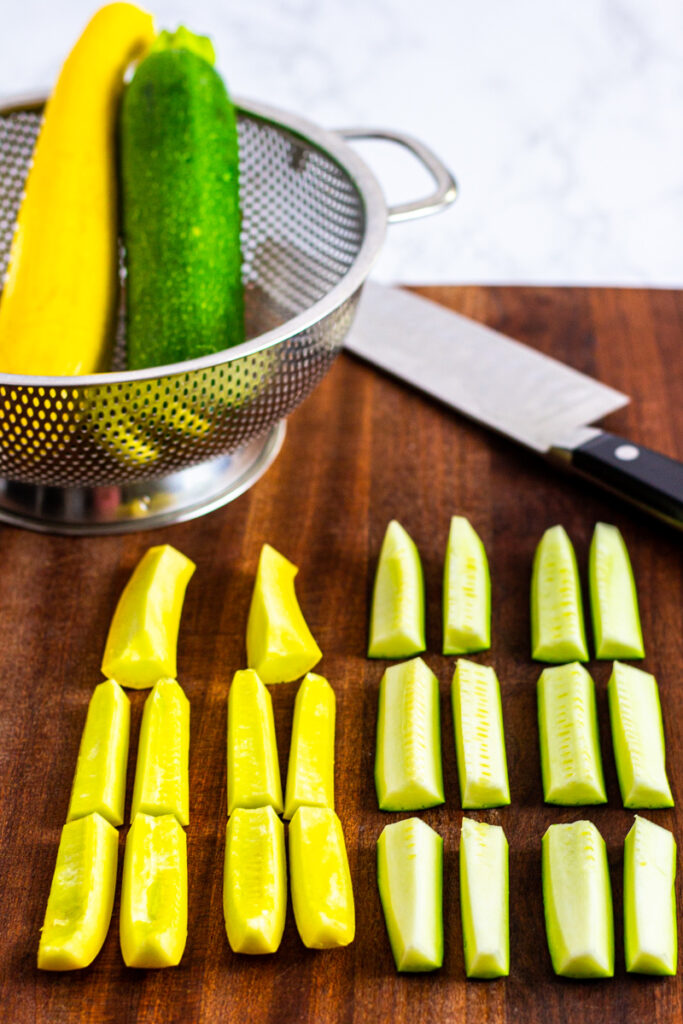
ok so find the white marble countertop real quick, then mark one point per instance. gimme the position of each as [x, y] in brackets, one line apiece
[561, 121]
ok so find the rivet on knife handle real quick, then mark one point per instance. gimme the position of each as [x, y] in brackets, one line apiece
[646, 478]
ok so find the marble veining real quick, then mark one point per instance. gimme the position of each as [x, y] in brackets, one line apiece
[561, 121]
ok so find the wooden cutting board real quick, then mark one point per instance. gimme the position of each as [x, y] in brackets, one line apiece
[361, 450]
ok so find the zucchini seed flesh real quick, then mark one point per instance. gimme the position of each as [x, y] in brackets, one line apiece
[557, 627]
[397, 617]
[571, 764]
[408, 774]
[410, 881]
[479, 736]
[638, 737]
[484, 899]
[466, 591]
[650, 928]
[577, 899]
[614, 601]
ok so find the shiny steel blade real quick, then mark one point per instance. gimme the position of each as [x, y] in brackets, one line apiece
[497, 381]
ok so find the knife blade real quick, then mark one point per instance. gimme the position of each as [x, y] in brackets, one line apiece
[517, 391]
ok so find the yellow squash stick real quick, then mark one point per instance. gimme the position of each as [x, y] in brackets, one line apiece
[254, 880]
[253, 768]
[82, 895]
[100, 779]
[154, 893]
[58, 304]
[280, 646]
[322, 895]
[310, 775]
[143, 636]
[161, 775]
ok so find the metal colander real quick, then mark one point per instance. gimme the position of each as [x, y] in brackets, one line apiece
[130, 449]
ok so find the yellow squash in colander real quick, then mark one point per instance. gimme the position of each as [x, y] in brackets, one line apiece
[57, 307]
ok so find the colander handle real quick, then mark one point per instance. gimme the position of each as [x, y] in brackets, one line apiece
[446, 187]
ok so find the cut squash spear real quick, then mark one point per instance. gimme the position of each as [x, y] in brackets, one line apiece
[280, 646]
[397, 617]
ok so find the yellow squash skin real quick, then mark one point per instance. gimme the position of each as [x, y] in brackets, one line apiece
[253, 767]
[143, 636]
[322, 895]
[280, 646]
[57, 307]
[100, 779]
[161, 774]
[153, 926]
[310, 775]
[254, 880]
[81, 896]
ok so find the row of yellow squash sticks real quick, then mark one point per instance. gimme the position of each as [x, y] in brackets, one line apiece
[141, 652]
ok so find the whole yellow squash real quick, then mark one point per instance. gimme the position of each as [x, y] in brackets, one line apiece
[58, 304]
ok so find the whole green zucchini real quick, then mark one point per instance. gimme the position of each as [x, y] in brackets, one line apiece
[180, 206]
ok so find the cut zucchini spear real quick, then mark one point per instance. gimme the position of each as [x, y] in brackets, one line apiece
[254, 880]
[650, 930]
[568, 732]
[577, 898]
[484, 898]
[81, 896]
[638, 737]
[253, 767]
[100, 780]
[466, 591]
[408, 774]
[310, 775]
[322, 895]
[410, 880]
[161, 776]
[557, 628]
[479, 736]
[614, 601]
[154, 893]
[143, 636]
[397, 618]
[280, 646]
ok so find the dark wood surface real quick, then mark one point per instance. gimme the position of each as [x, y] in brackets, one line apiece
[360, 450]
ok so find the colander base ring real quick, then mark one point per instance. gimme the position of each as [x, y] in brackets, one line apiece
[88, 511]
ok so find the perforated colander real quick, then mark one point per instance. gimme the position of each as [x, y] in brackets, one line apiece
[126, 450]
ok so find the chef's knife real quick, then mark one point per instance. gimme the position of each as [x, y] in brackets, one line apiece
[515, 390]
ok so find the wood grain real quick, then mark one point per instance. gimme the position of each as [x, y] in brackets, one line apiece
[361, 449]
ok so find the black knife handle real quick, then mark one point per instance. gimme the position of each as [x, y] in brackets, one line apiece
[648, 479]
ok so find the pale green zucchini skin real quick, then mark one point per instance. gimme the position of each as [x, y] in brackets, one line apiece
[397, 617]
[181, 217]
[571, 763]
[466, 591]
[650, 927]
[479, 736]
[408, 774]
[577, 899]
[638, 737]
[558, 633]
[410, 881]
[614, 601]
[484, 899]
